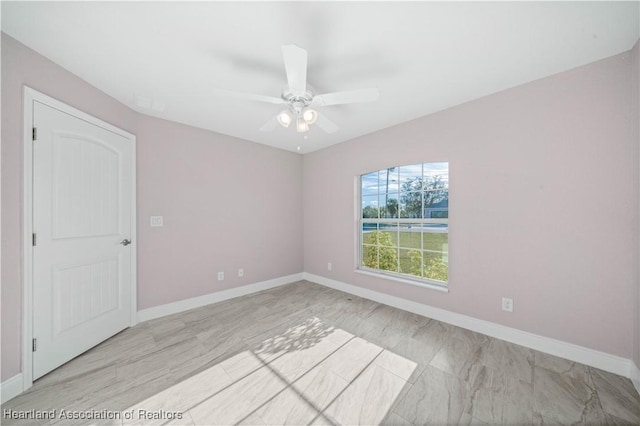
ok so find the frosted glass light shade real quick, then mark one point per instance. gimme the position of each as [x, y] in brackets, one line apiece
[310, 115]
[285, 118]
[302, 126]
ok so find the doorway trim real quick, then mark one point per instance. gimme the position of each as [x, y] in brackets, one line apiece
[29, 97]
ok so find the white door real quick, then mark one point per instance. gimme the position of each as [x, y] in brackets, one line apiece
[82, 213]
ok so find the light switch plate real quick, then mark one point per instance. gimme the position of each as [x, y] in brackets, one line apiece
[157, 221]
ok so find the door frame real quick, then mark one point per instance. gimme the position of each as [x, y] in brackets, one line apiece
[29, 97]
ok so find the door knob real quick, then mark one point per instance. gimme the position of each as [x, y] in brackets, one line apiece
[125, 242]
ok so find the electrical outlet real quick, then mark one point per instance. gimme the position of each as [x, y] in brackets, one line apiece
[220, 276]
[507, 304]
[241, 272]
[329, 267]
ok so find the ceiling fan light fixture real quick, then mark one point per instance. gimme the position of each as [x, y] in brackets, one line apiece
[301, 125]
[285, 118]
[310, 115]
[300, 100]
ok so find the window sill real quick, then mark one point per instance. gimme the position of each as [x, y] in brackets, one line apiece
[421, 284]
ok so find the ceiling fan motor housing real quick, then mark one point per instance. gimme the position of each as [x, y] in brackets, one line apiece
[297, 100]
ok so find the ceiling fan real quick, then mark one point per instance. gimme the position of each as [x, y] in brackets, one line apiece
[300, 100]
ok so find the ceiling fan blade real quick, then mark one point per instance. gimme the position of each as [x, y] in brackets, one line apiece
[248, 96]
[325, 124]
[270, 125]
[295, 64]
[348, 97]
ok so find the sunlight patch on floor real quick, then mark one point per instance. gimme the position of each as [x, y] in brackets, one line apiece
[311, 373]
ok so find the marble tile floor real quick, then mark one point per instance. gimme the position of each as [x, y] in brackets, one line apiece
[306, 354]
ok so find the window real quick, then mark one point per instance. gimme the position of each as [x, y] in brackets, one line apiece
[404, 222]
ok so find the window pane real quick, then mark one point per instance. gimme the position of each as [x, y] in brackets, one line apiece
[369, 184]
[436, 266]
[388, 234]
[388, 258]
[436, 195]
[383, 234]
[369, 231]
[370, 207]
[370, 256]
[386, 252]
[411, 204]
[436, 183]
[390, 205]
[410, 235]
[410, 177]
[411, 262]
[436, 204]
[434, 169]
[388, 179]
[435, 237]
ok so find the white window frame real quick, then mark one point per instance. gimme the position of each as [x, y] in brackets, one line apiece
[393, 275]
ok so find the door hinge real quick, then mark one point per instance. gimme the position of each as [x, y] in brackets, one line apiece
[33, 239]
[34, 134]
[34, 345]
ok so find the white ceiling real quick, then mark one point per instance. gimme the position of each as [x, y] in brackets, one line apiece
[423, 56]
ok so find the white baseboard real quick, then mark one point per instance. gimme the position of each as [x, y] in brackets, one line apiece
[11, 388]
[635, 376]
[591, 357]
[624, 367]
[207, 299]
